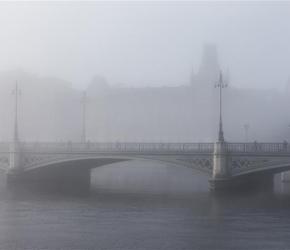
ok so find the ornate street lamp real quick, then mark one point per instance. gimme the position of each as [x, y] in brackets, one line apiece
[221, 85]
[16, 92]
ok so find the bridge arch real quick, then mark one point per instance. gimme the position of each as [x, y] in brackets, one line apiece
[271, 170]
[75, 173]
[90, 162]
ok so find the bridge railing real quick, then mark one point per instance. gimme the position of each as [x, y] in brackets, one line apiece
[119, 147]
[256, 147]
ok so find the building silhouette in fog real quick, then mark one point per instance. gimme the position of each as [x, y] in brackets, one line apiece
[209, 69]
[50, 109]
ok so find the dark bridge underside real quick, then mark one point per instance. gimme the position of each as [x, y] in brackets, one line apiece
[276, 169]
[259, 179]
[260, 182]
[69, 176]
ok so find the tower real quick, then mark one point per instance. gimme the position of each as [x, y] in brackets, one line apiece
[209, 68]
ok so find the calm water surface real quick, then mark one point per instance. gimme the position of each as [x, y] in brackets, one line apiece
[140, 205]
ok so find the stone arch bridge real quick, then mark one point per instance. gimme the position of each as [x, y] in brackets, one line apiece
[228, 165]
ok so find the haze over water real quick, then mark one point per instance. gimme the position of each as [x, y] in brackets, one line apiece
[142, 205]
[148, 70]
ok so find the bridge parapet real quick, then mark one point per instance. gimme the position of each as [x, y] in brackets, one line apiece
[258, 148]
[232, 148]
[120, 147]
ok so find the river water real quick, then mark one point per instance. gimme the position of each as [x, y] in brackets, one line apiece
[140, 205]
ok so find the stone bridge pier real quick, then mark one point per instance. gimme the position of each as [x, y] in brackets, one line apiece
[67, 177]
[63, 178]
[221, 172]
[223, 178]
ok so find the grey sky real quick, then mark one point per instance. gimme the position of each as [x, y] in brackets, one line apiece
[146, 43]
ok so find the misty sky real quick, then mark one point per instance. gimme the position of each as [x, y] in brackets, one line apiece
[146, 43]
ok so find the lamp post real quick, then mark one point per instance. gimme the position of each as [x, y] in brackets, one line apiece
[221, 85]
[84, 110]
[16, 92]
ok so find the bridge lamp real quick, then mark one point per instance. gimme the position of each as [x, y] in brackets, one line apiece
[220, 85]
[16, 92]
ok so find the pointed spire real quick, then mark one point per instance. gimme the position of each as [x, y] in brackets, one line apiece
[209, 65]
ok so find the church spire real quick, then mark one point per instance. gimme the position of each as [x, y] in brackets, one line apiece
[209, 67]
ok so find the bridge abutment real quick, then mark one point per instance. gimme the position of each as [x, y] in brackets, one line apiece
[60, 180]
[15, 158]
[223, 180]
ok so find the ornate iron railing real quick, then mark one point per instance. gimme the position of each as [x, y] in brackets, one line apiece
[120, 147]
[243, 148]
[256, 147]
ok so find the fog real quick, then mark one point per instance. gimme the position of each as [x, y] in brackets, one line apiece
[144, 71]
[149, 69]
[146, 43]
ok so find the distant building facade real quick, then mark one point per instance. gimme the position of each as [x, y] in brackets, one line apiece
[50, 110]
